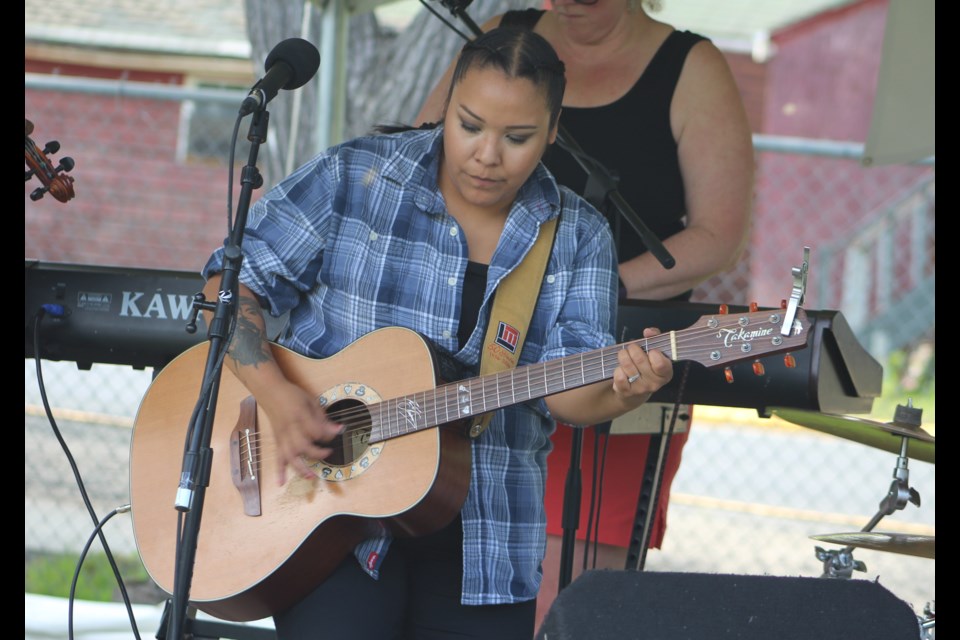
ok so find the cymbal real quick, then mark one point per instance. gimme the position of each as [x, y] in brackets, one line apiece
[913, 545]
[881, 435]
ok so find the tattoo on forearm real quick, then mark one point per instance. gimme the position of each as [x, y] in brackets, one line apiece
[249, 346]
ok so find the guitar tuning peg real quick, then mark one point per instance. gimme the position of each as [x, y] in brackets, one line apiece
[783, 304]
[724, 310]
[758, 369]
[754, 307]
[728, 374]
[789, 361]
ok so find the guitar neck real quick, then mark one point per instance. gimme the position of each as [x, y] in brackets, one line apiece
[712, 341]
[474, 396]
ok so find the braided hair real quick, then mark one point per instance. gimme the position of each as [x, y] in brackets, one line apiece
[519, 53]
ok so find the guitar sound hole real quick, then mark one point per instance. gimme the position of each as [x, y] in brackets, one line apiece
[352, 444]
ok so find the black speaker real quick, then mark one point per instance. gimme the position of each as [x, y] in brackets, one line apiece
[621, 605]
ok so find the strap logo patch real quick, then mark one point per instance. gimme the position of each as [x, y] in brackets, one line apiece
[507, 337]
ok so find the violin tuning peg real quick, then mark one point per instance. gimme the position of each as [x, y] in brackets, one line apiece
[789, 361]
[758, 369]
[728, 374]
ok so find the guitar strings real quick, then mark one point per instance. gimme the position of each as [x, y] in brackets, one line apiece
[447, 399]
[554, 373]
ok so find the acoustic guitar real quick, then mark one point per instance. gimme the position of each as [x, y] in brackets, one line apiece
[402, 464]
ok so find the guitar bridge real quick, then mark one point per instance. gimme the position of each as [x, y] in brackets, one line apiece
[244, 460]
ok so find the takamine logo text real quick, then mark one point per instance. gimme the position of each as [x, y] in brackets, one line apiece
[730, 336]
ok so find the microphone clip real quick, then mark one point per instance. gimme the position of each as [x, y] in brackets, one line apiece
[456, 7]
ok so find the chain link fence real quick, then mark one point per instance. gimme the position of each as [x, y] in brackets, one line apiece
[152, 192]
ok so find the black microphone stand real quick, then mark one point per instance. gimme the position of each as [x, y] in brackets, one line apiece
[601, 188]
[195, 475]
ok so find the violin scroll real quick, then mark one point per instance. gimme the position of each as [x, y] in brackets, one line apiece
[54, 178]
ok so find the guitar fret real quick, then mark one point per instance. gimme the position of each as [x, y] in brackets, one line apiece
[450, 398]
[446, 401]
[496, 390]
[415, 419]
[438, 395]
[376, 422]
[385, 413]
[428, 396]
[395, 417]
[472, 397]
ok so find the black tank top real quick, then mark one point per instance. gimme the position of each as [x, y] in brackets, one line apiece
[632, 138]
[474, 284]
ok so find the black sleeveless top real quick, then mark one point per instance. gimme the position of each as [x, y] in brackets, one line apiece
[474, 284]
[632, 138]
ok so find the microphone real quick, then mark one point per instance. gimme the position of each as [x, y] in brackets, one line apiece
[290, 65]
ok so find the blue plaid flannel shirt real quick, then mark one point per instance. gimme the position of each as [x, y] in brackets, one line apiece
[359, 238]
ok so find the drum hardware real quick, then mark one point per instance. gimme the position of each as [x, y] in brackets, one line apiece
[928, 622]
[839, 563]
[913, 545]
[889, 436]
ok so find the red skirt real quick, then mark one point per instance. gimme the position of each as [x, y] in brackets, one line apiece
[623, 469]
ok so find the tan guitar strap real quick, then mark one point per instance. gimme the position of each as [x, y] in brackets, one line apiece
[512, 309]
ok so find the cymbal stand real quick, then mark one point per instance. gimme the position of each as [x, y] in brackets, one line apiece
[928, 622]
[840, 563]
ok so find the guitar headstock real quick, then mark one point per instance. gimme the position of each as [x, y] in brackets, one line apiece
[724, 338]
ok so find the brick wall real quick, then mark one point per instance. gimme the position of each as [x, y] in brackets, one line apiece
[136, 204]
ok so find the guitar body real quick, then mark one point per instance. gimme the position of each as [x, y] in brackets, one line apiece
[261, 546]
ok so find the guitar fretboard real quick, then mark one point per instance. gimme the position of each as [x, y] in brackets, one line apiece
[712, 341]
[474, 396]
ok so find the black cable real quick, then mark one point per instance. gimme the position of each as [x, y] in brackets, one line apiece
[41, 312]
[603, 468]
[594, 487]
[655, 497]
[83, 555]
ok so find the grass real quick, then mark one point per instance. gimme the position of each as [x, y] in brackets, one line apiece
[52, 575]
